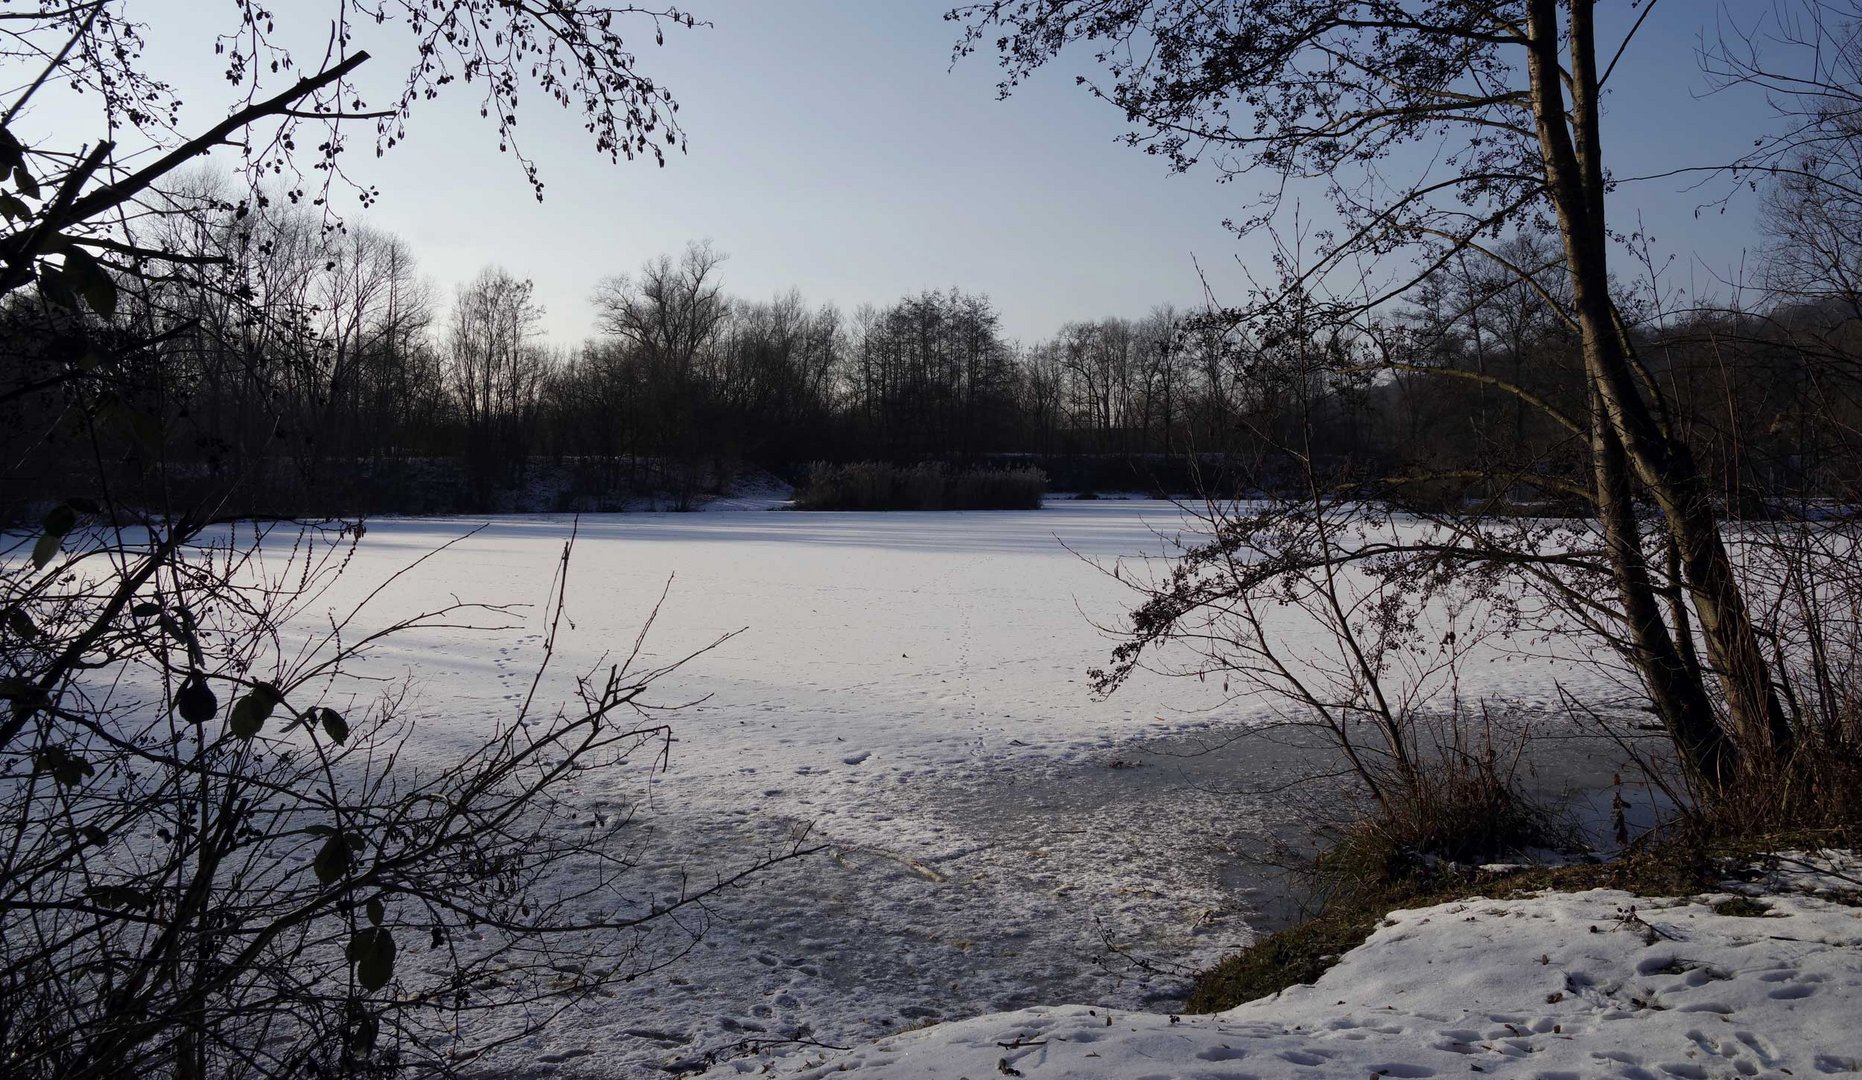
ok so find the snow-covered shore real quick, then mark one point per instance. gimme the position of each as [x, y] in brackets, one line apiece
[1590, 984]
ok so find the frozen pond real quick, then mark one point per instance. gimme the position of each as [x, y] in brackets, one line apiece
[912, 688]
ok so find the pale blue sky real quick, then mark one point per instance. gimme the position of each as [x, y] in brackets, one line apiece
[832, 151]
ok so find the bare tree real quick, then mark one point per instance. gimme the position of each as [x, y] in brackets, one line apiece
[1510, 92]
[215, 867]
[670, 310]
[496, 367]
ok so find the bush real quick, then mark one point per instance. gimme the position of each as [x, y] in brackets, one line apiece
[219, 864]
[872, 485]
[1456, 811]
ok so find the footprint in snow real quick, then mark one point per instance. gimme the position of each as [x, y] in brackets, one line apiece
[1759, 1045]
[562, 1056]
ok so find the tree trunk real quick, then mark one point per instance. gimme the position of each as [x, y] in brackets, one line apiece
[1664, 466]
[1674, 685]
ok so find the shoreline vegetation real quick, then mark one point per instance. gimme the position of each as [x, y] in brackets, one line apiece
[1360, 896]
[874, 485]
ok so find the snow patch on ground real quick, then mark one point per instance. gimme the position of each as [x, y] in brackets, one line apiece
[1590, 984]
[754, 489]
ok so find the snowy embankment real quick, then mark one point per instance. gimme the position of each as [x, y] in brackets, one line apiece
[1598, 983]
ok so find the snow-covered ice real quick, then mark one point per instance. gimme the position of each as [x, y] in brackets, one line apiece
[910, 688]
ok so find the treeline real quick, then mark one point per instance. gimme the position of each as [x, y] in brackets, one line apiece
[322, 361]
[680, 369]
[321, 371]
[1483, 390]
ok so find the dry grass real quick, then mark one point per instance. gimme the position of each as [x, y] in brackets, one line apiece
[1302, 953]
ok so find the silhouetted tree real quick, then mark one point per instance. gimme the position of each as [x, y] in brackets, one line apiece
[1338, 92]
[210, 869]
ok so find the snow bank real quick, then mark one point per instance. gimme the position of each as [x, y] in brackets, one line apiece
[1599, 983]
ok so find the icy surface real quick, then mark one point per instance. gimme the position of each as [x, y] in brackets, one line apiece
[1594, 984]
[910, 689]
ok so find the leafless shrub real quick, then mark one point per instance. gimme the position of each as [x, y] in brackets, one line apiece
[1357, 624]
[229, 857]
